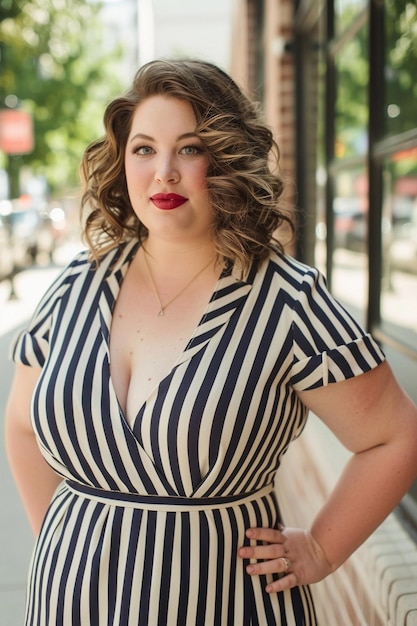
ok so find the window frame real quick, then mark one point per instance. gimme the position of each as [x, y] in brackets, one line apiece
[380, 148]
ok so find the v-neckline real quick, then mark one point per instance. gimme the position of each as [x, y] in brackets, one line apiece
[226, 296]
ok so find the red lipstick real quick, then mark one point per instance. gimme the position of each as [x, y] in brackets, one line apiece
[167, 201]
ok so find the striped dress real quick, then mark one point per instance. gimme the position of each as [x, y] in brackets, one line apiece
[145, 527]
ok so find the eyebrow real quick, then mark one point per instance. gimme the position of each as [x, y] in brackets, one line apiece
[149, 138]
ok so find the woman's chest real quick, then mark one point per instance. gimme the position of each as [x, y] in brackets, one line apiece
[144, 347]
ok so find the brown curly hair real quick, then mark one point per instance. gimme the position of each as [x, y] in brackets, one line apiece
[243, 189]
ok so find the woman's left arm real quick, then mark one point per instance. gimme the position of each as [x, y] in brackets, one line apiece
[375, 419]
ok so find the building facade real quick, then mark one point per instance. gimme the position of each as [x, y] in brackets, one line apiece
[336, 82]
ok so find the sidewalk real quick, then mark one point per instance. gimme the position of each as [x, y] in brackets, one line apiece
[16, 539]
[29, 286]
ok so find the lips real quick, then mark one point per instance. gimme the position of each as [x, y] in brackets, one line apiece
[168, 201]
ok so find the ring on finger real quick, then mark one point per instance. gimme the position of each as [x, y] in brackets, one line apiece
[287, 563]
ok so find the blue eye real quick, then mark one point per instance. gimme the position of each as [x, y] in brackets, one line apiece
[191, 150]
[143, 150]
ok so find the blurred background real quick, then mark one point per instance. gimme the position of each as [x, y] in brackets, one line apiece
[61, 63]
[336, 82]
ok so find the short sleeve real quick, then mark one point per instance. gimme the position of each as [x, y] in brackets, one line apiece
[329, 345]
[31, 345]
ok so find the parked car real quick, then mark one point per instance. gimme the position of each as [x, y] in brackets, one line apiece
[350, 224]
[34, 231]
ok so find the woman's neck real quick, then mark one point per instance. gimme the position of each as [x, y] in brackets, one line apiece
[166, 255]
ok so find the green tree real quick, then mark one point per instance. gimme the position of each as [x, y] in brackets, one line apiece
[55, 60]
[401, 63]
[352, 92]
[400, 33]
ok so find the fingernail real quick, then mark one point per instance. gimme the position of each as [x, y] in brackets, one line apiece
[250, 569]
[249, 532]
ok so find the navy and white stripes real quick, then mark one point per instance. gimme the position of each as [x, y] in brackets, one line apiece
[213, 430]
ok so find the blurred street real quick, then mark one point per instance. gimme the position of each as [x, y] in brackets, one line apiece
[16, 539]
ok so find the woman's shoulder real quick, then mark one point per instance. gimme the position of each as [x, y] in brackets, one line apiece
[83, 262]
[83, 271]
[291, 270]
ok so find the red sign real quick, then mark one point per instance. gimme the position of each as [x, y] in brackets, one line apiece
[16, 131]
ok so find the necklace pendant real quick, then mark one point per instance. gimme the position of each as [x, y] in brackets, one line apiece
[162, 307]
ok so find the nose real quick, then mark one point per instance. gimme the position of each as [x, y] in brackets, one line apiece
[166, 170]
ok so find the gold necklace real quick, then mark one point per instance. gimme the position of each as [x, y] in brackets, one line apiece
[162, 307]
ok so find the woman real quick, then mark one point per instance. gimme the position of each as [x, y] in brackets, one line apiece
[168, 369]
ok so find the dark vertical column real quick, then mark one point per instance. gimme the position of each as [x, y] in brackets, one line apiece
[375, 132]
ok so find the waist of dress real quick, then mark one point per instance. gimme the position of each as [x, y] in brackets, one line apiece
[165, 503]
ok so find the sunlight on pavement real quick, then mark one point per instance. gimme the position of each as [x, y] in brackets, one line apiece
[29, 287]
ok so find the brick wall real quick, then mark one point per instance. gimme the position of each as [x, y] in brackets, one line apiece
[279, 88]
[276, 33]
[279, 105]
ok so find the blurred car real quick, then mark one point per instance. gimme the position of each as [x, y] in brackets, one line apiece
[350, 224]
[7, 260]
[33, 231]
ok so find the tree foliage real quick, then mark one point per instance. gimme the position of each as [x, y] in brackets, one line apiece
[54, 58]
[400, 37]
[401, 64]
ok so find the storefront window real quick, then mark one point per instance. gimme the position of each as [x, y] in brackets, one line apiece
[350, 182]
[350, 266]
[366, 233]
[400, 66]
[352, 78]
[399, 236]
[346, 11]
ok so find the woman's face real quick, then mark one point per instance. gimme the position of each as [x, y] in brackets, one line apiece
[166, 167]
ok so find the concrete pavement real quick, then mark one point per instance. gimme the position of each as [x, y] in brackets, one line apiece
[16, 539]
